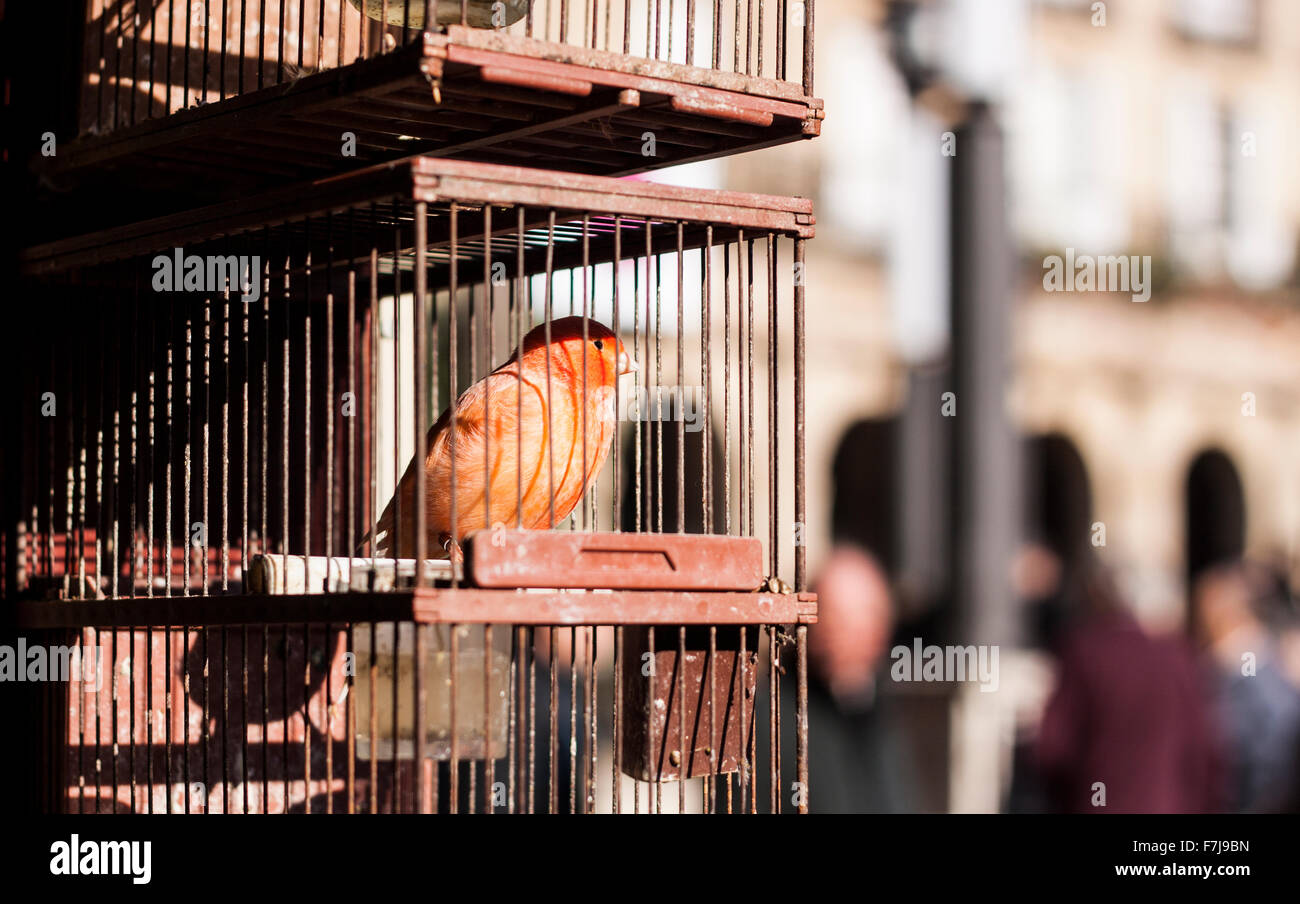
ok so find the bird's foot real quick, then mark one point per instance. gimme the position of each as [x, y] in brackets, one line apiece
[452, 549]
[776, 585]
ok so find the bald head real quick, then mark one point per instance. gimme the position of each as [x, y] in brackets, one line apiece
[854, 621]
[1222, 602]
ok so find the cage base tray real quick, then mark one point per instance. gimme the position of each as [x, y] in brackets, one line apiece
[429, 605]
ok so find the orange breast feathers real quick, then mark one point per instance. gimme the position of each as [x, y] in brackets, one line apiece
[515, 446]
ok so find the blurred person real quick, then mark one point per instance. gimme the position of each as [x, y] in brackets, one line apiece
[1288, 646]
[1128, 727]
[1258, 708]
[857, 762]
[1277, 609]
[1038, 578]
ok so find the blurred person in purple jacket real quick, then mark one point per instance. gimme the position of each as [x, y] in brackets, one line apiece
[1128, 728]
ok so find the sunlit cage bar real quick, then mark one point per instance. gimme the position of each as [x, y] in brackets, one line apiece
[251, 93]
[212, 505]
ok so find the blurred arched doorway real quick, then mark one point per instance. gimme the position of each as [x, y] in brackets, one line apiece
[1215, 513]
[1058, 496]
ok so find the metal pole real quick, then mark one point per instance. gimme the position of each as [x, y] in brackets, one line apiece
[987, 447]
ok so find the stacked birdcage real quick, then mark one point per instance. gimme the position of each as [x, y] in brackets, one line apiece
[430, 485]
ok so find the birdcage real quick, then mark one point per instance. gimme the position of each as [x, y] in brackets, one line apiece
[216, 519]
[248, 94]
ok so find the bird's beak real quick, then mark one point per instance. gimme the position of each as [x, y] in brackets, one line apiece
[626, 364]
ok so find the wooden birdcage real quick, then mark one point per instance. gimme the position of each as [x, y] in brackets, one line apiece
[185, 104]
[208, 450]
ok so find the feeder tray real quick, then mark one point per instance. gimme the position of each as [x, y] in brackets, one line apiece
[691, 716]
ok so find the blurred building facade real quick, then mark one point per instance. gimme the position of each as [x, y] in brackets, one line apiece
[1159, 431]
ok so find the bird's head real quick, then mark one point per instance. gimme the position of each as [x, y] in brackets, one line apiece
[606, 356]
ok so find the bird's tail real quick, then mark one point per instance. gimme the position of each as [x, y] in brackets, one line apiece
[383, 540]
[377, 542]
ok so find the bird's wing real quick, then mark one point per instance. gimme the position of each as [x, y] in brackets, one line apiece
[579, 460]
[499, 441]
[500, 446]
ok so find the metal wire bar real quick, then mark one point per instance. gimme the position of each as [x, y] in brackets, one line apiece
[286, 346]
[225, 543]
[773, 412]
[659, 396]
[616, 323]
[638, 445]
[307, 477]
[330, 497]
[530, 651]
[550, 429]
[573, 720]
[351, 470]
[800, 376]
[206, 426]
[117, 75]
[167, 544]
[264, 460]
[616, 727]
[589, 719]
[261, 43]
[420, 315]
[489, 760]
[685, 756]
[801, 715]
[245, 547]
[553, 727]
[710, 788]
[749, 395]
[83, 417]
[132, 479]
[745, 778]
[773, 722]
[808, 47]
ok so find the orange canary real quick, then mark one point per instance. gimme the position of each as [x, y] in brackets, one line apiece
[507, 429]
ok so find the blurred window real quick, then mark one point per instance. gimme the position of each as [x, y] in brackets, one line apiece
[1218, 21]
[1223, 169]
[1071, 5]
[1197, 182]
[1261, 235]
[1069, 160]
[860, 151]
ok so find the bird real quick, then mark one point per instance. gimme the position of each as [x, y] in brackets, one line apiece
[508, 427]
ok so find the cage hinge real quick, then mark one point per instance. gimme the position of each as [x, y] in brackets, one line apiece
[435, 84]
[431, 69]
[807, 608]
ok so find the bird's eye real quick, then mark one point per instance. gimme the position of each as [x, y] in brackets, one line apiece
[599, 345]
